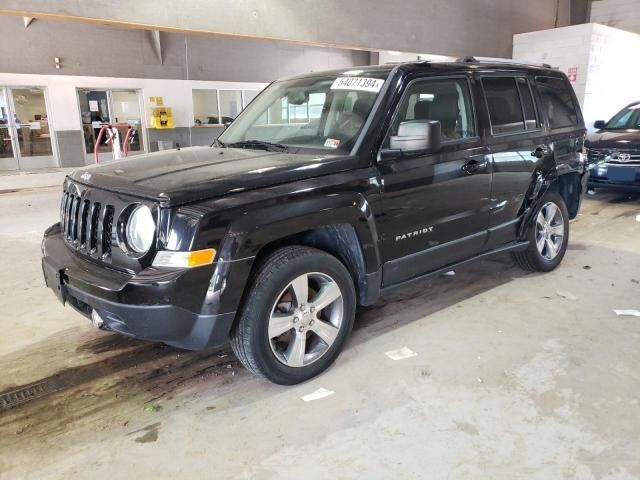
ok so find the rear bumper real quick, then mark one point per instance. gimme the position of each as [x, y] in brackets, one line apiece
[156, 305]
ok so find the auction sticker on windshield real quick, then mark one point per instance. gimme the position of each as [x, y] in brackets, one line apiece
[358, 83]
[332, 143]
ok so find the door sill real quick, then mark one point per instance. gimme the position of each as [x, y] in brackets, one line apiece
[510, 247]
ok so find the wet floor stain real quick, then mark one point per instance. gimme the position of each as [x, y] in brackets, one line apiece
[150, 434]
[467, 428]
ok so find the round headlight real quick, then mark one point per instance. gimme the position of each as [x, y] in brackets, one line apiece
[140, 229]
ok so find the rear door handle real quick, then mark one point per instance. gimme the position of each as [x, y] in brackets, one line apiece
[541, 151]
[473, 166]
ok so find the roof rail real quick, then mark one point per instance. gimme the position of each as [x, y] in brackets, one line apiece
[470, 59]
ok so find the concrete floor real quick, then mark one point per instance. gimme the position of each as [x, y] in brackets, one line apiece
[516, 376]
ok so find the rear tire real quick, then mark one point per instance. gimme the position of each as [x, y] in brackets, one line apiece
[296, 316]
[548, 235]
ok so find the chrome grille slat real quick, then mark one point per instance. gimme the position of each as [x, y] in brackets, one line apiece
[74, 219]
[64, 218]
[107, 230]
[92, 235]
[69, 215]
[100, 232]
[84, 212]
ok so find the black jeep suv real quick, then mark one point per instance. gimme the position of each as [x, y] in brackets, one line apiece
[613, 152]
[330, 190]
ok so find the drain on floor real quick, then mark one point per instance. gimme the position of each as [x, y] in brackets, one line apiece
[27, 393]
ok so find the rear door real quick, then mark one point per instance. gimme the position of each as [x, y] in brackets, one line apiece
[435, 205]
[514, 131]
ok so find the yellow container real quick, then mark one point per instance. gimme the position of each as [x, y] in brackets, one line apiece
[161, 117]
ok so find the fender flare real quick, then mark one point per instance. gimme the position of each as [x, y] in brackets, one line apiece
[543, 178]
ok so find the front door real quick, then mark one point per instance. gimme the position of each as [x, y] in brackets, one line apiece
[435, 205]
[8, 155]
[25, 137]
[121, 109]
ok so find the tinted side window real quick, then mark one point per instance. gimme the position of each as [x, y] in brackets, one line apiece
[527, 103]
[557, 101]
[503, 100]
[447, 101]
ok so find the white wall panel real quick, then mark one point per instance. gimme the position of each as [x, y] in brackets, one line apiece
[607, 75]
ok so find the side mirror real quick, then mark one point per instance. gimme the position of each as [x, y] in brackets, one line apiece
[599, 124]
[417, 135]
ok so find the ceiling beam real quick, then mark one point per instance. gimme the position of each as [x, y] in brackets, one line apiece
[446, 27]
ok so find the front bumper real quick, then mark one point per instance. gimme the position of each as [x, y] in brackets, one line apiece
[618, 177]
[156, 305]
[595, 182]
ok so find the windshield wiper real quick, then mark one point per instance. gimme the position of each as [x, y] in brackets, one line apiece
[269, 146]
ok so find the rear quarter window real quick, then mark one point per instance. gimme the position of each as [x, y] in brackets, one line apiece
[557, 102]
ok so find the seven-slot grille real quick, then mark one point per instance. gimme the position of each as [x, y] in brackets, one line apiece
[87, 225]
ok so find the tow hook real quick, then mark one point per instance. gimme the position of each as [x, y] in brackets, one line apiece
[96, 319]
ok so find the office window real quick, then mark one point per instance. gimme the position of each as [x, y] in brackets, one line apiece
[557, 101]
[249, 95]
[230, 104]
[316, 104]
[205, 107]
[505, 109]
[305, 112]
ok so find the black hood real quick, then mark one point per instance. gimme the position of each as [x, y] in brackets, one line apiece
[176, 177]
[614, 140]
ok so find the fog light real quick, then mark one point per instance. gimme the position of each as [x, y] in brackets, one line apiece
[96, 319]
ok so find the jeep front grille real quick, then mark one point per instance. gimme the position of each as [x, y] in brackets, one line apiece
[87, 225]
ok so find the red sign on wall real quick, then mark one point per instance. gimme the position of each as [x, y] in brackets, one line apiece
[572, 73]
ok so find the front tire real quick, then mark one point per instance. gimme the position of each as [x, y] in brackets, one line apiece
[296, 317]
[548, 235]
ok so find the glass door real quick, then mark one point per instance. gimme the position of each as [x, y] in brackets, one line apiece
[121, 109]
[8, 159]
[33, 137]
[126, 109]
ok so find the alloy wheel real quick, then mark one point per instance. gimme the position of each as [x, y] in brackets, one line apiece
[305, 319]
[549, 230]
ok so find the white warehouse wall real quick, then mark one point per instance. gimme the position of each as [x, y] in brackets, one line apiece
[623, 14]
[614, 72]
[606, 78]
[562, 48]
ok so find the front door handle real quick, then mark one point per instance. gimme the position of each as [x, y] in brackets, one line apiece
[541, 151]
[473, 166]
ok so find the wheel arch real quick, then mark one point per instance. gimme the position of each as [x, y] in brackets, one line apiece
[340, 240]
[569, 187]
[340, 224]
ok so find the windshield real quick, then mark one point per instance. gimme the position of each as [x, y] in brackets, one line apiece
[322, 112]
[627, 118]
